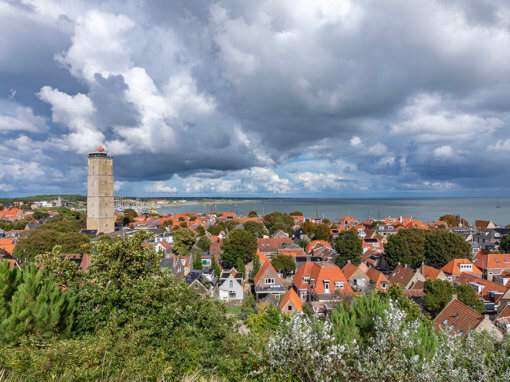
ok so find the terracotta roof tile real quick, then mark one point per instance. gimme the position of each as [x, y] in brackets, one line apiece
[291, 296]
[458, 318]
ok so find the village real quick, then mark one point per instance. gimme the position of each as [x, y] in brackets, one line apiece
[293, 263]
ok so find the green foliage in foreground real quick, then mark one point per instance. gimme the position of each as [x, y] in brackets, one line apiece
[134, 321]
[33, 304]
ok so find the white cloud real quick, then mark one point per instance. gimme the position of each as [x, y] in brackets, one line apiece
[14, 117]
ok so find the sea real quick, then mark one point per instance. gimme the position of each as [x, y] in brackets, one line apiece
[423, 209]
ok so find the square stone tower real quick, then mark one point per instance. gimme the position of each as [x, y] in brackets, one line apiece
[100, 204]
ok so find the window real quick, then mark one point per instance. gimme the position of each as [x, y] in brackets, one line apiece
[451, 326]
[339, 285]
[232, 294]
[290, 307]
[326, 286]
[306, 279]
[445, 322]
[268, 281]
[231, 284]
[384, 285]
[506, 260]
[497, 261]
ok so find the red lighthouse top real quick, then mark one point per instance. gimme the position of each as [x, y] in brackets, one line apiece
[100, 148]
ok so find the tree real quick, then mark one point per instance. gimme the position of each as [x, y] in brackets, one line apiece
[284, 263]
[270, 219]
[215, 229]
[252, 214]
[442, 246]
[454, 220]
[240, 266]
[321, 232]
[437, 294]
[406, 247]
[296, 213]
[201, 230]
[308, 227]
[44, 238]
[256, 266]
[467, 294]
[349, 247]
[302, 243]
[504, 246]
[204, 243]
[197, 261]
[215, 266]
[239, 244]
[33, 305]
[130, 213]
[183, 241]
[255, 228]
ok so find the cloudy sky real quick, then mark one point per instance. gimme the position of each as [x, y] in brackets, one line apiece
[269, 98]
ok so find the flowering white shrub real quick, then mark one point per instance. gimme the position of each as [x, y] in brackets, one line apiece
[307, 350]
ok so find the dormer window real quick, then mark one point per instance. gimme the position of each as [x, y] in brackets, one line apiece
[306, 279]
[339, 285]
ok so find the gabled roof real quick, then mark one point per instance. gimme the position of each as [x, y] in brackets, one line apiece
[350, 269]
[458, 318]
[292, 296]
[314, 243]
[263, 269]
[486, 260]
[504, 315]
[401, 275]
[319, 272]
[377, 277]
[452, 267]
[430, 273]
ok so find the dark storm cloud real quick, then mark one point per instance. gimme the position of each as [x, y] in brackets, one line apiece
[410, 93]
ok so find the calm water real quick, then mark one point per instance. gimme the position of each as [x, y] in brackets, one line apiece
[425, 209]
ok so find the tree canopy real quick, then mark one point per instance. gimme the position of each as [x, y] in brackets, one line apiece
[255, 228]
[321, 232]
[183, 241]
[239, 244]
[454, 220]
[284, 263]
[413, 246]
[349, 247]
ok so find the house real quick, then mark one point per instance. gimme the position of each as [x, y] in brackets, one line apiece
[8, 245]
[292, 250]
[267, 281]
[357, 278]
[482, 225]
[493, 294]
[11, 214]
[83, 260]
[431, 273]
[459, 318]
[407, 277]
[231, 287]
[291, 302]
[456, 267]
[268, 301]
[320, 281]
[280, 234]
[299, 234]
[385, 230]
[163, 246]
[490, 238]
[203, 281]
[492, 264]
[502, 320]
[323, 252]
[270, 245]
[378, 279]
[317, 243]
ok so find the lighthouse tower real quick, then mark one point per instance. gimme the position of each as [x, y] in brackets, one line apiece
[100, 204]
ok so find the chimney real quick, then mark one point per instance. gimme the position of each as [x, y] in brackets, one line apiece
[348, 261]
[454, 297]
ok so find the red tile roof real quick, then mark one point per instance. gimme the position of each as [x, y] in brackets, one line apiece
[320, 271]
[467, 278]
[263, 269]
[452, 267]
[430, 273]
[377, 278]
[458, 318]
[504, 315]
[272, 244]
[314, 243]
[291, 296]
